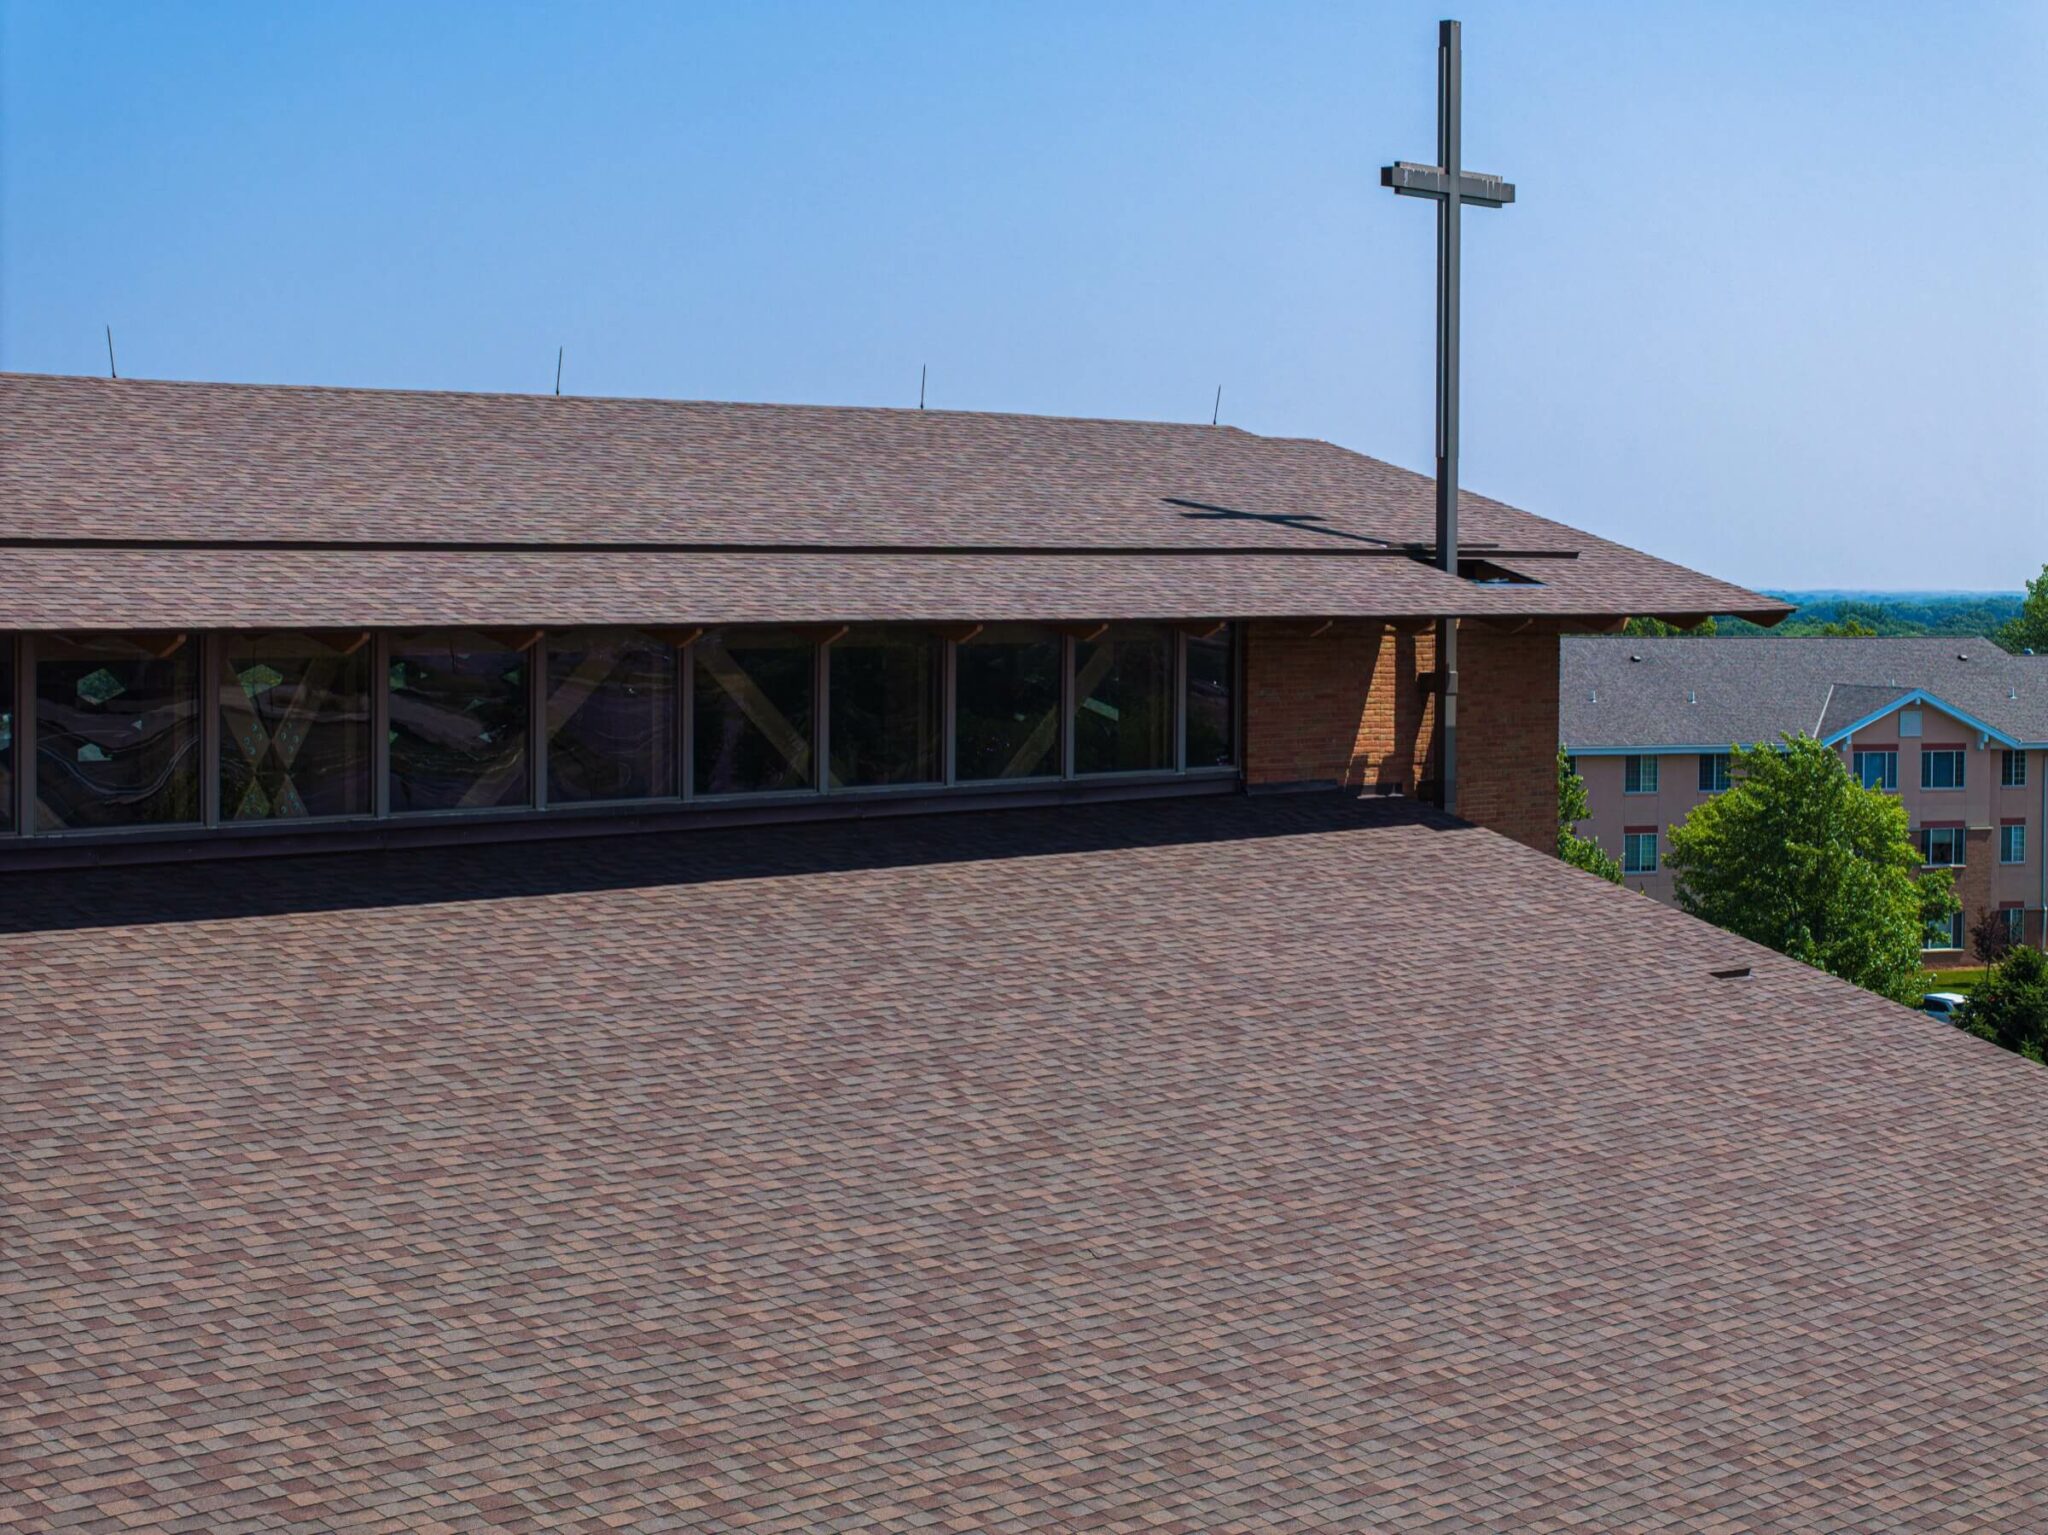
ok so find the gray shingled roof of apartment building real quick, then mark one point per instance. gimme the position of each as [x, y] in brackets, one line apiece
[1709, 693]
[145, 504]
[1093, 1169]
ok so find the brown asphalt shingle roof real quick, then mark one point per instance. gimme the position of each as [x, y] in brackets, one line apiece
[388, 506]
[1282, 1164]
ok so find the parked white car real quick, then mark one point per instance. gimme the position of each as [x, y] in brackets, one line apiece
[1948, 1006]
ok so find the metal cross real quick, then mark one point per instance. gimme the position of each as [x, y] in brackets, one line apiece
[1452, 187]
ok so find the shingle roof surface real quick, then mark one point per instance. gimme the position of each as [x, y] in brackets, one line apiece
[1712, 692]
[1107, 1169]
[213, 466]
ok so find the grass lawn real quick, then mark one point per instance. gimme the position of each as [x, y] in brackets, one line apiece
[1964, 981]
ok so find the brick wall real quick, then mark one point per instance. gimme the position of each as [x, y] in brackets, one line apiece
[1345, 704]
[1507, 733]
[1335, 705]
[1973, 879]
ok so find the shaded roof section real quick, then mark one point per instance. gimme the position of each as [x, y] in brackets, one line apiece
[330, 475]
[1041, 1170]
[1711, 692]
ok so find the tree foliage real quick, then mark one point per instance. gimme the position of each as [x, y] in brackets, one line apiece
[2029, 631]
[2010, 1005]
[1580, 852]
[1961, 614]
[1990, 938]
[1800, 857]
[1656, 628]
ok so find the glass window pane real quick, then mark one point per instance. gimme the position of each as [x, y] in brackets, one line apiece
[751, 714]
[458, 722]
[1123, 692]
[613, 715]
[885, 707]
[1006, 704]
[1212, 686]
[294, 726]
[6, 734]
[117, 731]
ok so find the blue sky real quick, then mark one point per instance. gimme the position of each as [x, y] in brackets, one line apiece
[1774, 302]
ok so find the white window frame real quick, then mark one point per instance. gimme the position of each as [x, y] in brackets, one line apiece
[2012, 770]
[1953, 938]
[2012, 842]
[1643, 768]
[1962, 762]
[1958, 846]
[1888, 777]
[1631, 860]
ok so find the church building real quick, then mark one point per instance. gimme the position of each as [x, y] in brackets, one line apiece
[582, 964]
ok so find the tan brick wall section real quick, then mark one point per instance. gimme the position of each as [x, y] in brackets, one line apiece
[1340, 705]
[1346, 705]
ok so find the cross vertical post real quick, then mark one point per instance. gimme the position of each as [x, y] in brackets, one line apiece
[1453, 187]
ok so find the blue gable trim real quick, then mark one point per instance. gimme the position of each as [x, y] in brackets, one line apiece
[1922, 696]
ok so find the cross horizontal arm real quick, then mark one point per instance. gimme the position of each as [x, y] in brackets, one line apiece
[1475, 187]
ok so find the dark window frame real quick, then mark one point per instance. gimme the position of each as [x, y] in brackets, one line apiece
[383, 647]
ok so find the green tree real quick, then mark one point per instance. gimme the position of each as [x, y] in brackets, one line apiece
[2010, 1005]
[1656, 628]
[2029, 631]
[1580, 852]
[1850, 626]
[1800, 857]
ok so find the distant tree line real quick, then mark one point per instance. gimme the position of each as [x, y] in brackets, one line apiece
[2016, 623]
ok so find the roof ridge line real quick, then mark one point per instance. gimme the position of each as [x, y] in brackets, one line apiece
[388, 390]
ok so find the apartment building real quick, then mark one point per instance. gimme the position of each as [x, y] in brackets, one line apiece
[1956, 728]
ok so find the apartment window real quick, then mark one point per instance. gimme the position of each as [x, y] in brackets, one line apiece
[117, 731]
[755, 699]
[294, 726]
[614, 710]
[1123, 700]
[2012, 770]
[1639, 852]
[1941, 847]
[1639, 775]
[1211, 686]
[1876, 769]
[1714, 772]
[887, 708]
[2015, 920]
[1945, 933]
[1941, 769]
[459, 721]
[1006, 704]
[2012, 842]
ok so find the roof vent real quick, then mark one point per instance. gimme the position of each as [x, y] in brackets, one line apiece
[1962, 655]
[1691, 696]
[1732, 973]
[1635, 658]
